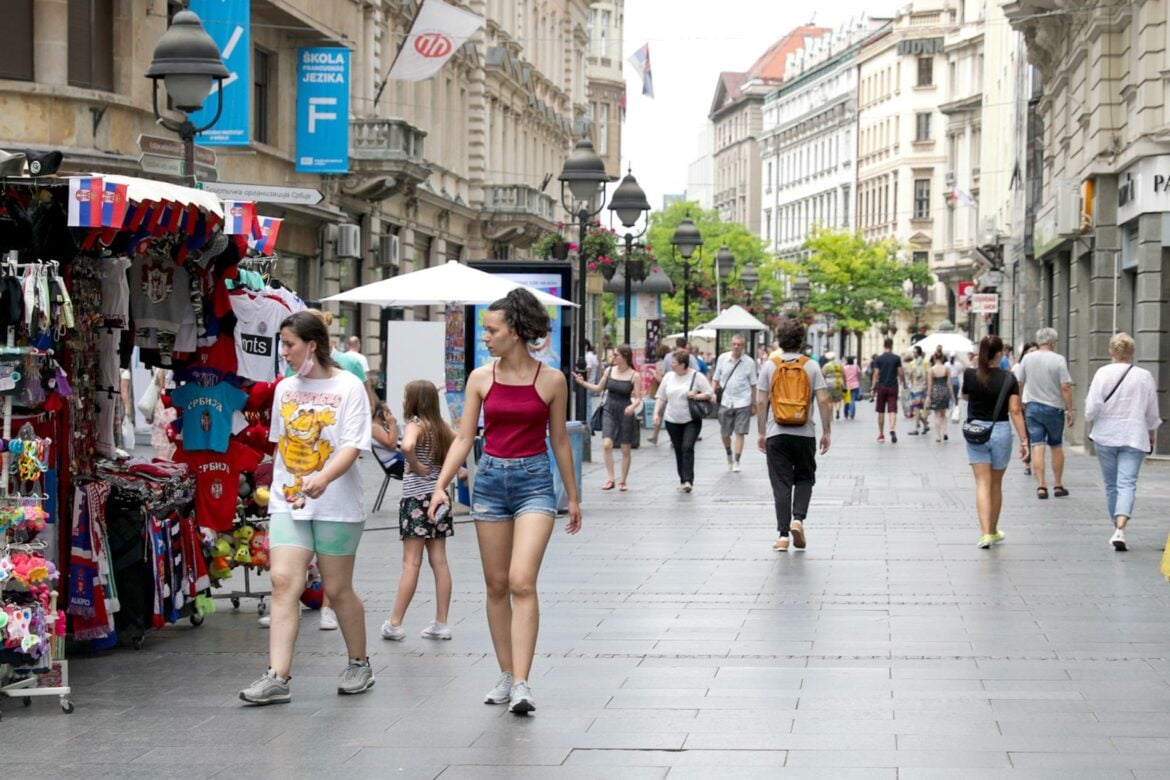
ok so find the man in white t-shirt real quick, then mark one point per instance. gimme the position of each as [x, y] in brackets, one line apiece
[1048, 408]
[792, 449]
[735, 375]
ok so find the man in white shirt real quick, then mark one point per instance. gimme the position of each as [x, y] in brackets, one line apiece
[735, 386]
[1048, 408]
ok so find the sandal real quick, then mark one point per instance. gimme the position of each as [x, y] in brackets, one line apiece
[622, 487]
[609, 486]
[1059, 491]
[1041, 492]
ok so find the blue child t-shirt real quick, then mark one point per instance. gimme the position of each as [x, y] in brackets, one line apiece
[207, 414]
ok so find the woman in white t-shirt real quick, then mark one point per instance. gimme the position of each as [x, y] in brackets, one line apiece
[679, 386]
[320, 423]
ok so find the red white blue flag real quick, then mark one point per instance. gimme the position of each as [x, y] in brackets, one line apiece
[86, 199]
[239, 216]
[115, 204]
[641, 62]
[269, 229]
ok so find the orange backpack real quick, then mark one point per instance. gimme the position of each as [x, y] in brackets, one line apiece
[790, 391]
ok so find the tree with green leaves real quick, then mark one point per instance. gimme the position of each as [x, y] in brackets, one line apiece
[861, 282]
[743, 244]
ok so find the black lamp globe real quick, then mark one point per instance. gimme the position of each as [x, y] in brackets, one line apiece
[657, 282]
[583, 172]
[749, 277]
[629, 201]
[188, 61]
[686, 238]
[724, 261]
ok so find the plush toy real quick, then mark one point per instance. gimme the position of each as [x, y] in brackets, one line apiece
[220, 569]
[258, 547]
[261, 496]
[243, 534]
[223, 547]
[242, 556]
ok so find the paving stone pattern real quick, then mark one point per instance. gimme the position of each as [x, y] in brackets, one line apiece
[675, 643]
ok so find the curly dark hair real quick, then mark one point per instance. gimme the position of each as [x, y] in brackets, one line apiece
[790, 334]
[524, 314]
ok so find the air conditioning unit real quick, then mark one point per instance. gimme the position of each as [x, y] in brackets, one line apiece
[349, 241]
[1068, 208]
[389, 251]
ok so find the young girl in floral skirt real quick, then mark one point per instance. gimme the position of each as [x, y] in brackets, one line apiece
[424, 445]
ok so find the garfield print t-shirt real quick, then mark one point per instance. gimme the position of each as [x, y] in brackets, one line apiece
[312, 420]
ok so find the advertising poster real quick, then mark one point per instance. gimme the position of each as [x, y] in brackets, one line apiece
[455, 361]
[322, 110]
[548, 350]
[229, 23]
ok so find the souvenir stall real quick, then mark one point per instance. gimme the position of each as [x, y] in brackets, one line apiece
[96, 266]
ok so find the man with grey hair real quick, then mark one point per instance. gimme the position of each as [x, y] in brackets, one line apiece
[735, 387]
[1048, 408]
[353, 346]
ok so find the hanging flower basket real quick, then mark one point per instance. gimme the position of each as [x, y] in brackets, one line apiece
[608, 270]
[560, 250]
[636, 270]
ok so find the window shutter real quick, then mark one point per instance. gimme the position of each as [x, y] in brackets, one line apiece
[16, 55]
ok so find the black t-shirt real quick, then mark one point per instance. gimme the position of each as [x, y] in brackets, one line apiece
[887, 365]
[982, 399]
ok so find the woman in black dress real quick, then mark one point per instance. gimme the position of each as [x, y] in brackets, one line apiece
[619, 417]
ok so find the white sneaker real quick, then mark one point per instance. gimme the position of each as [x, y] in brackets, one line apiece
[730, 462]
[328, 619]
[502, 692]
[1118, 540]
[735, 466]
[521, 702]
[265, 621]
[436, 630]
[392, 632]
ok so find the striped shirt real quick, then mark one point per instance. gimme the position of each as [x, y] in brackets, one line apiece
[415, 485]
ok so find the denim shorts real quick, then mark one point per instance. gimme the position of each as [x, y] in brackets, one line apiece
[1045, 424]
[997, 450]
[506, 488]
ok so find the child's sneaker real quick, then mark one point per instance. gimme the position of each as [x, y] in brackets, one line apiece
[436, 630]
[393, 633]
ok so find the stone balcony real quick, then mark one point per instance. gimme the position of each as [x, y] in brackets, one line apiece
[388, 149]
[517, 213]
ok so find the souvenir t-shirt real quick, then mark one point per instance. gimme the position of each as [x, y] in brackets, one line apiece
[115, 292]
[258, 319]
[207, 414]
[160, 295]
[217, 482]
[312, 421]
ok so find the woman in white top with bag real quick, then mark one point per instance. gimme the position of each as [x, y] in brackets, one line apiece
[678, 388]
[1122, 404]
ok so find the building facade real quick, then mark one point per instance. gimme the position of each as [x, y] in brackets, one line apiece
[448, 168]
[901, 151]
[1100, 228]
[605, 87]
[736, 117]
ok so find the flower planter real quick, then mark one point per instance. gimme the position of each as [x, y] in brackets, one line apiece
[636, 270]
[607, 270]
[560, 250]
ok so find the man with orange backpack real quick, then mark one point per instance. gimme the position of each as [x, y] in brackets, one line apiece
[789, 383]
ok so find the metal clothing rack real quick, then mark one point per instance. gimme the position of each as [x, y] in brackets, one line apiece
[234, 596]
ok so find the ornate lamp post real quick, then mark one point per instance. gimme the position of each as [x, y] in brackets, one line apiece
[724, 264]
[583, 179]
[801, 290]
[630, 204]
[919, 305]
[685, 240]
[187, 60]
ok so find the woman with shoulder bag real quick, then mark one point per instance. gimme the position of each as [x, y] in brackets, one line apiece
[993, 408]
[1122, 404]
[681, 389]
[619, 420]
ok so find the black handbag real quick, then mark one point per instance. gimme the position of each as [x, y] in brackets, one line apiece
[700, 410]
[979, 431]
[599, 412]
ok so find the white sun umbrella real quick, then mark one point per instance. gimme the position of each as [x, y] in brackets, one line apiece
[449, 284]
[952, 343]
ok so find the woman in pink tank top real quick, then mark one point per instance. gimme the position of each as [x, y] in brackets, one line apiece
[513, 501]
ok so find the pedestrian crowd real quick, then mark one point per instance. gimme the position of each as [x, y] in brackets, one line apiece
[792, 397]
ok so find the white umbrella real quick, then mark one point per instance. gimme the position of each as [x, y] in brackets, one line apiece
[450, 283]
[952, 343]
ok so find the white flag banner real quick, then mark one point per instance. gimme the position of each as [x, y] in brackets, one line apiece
[435, 34]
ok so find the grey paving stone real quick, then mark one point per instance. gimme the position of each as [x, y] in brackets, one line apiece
[557, 772]
[967, 759]
[712, 760]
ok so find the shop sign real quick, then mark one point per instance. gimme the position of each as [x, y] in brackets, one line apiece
[229, 23]
[323, 110]
[1144, 188]
[172, 147]
[922, 47]
[173, 166]
[1044, 235]
[265, 193]
[985, 303]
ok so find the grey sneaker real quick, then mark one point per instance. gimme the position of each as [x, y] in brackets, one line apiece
[522, 701]
[436, 630]
[269, 689]
[393, 632]
[358, 677]
[502, 692]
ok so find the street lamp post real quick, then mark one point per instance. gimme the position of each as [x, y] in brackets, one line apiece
[630, 204]
[724, 263]
[685, 241]
[187, 60]
[919, 304]
[583, 179]
[801, 290]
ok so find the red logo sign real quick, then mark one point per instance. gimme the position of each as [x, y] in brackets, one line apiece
[433, 45]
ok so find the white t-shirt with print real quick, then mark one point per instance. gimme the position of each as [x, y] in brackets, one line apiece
[258, 319]
[312, 420]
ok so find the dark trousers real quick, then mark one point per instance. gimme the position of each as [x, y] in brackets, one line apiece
[683, 437]
[792, 468]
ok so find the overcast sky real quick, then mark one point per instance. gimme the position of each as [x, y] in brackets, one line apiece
[691, 43]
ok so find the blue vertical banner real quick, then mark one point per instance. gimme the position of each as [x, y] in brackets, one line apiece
[229, 23]
[323, 110]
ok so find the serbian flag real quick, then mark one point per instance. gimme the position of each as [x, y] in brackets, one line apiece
[86, 201]
[641, 62]
[437, 32]
[115, 203]
[239, 216]
[269, 229]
